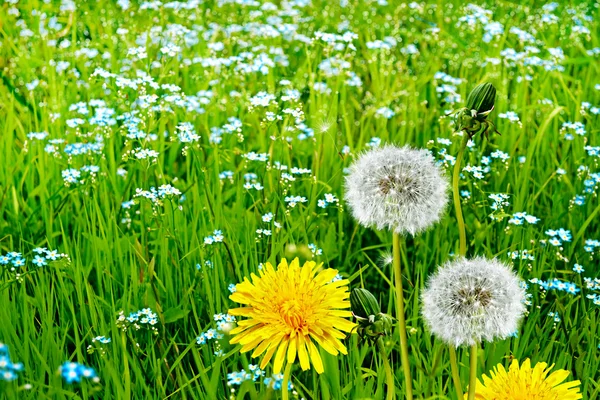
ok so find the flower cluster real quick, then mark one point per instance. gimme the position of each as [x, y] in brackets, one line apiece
[98, 343]
[209, 335]
[521, 255]
[275, 382]
[591, 245]
[556, 284]
[8, 370]
[236, 378]
[329, 199]
[521, 217]
[225, 323]
[73, 372]
[41, 257]
[557, 237]
[144, 319]
[216, 237]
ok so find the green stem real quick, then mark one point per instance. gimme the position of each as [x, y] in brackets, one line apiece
[455, 373]
[284, 385]
[473, 372]
[391, 391]
[400, 316]
[455, 193]
[126, 377]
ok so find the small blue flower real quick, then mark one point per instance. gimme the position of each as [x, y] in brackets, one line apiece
[39, 261]
[74, 372]
[579, 200]
[18, 262]
[8, 369]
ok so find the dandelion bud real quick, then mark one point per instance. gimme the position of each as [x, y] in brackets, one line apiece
[481, 100]
[480, 103]
[363, 303]
[372, 323]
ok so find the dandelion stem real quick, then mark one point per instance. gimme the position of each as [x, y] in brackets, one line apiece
[284, 385]
[400, 316]
[457, 208]
[473, 372]
[455, 373]
[462, 233]
[391, 388]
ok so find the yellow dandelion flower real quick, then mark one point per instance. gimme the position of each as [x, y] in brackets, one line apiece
[526, 383]
[290, 308]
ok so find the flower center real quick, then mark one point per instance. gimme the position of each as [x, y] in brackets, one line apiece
[472, 297]
[397, 184]
[293, 313]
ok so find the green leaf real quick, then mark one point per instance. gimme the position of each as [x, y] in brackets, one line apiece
[174, 314]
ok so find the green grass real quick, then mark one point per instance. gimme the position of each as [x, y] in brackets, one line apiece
[50, 314]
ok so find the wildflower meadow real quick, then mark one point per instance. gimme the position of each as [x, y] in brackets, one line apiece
[299, 199]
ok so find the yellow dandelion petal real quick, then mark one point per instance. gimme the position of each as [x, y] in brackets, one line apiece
[337, 334]
[325, 344]
[267, 357]
[341, 282]
[279, 357]
[557, 377]
[286, 308]
[260, 348]
[315, 357]
[250, 345]
[341, 313]
[273, 344]
[240, 311]
[291, 352]
[526, 383]
[324, 277]
[303, 354]
[307, 272]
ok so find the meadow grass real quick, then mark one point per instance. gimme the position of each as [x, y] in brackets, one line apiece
[155, 253]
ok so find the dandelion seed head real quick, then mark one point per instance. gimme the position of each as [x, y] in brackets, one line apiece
[468, 301]
[397, 188]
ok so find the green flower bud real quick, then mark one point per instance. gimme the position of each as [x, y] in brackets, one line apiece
[472, 118]
[481, 100]
[363, 303]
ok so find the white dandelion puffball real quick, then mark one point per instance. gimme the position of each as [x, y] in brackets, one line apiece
[398, 188]
[467, 301]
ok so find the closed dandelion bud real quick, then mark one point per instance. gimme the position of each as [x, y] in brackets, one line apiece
[363, 303]
[472, 118]
[481, 99]
[372, 323]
